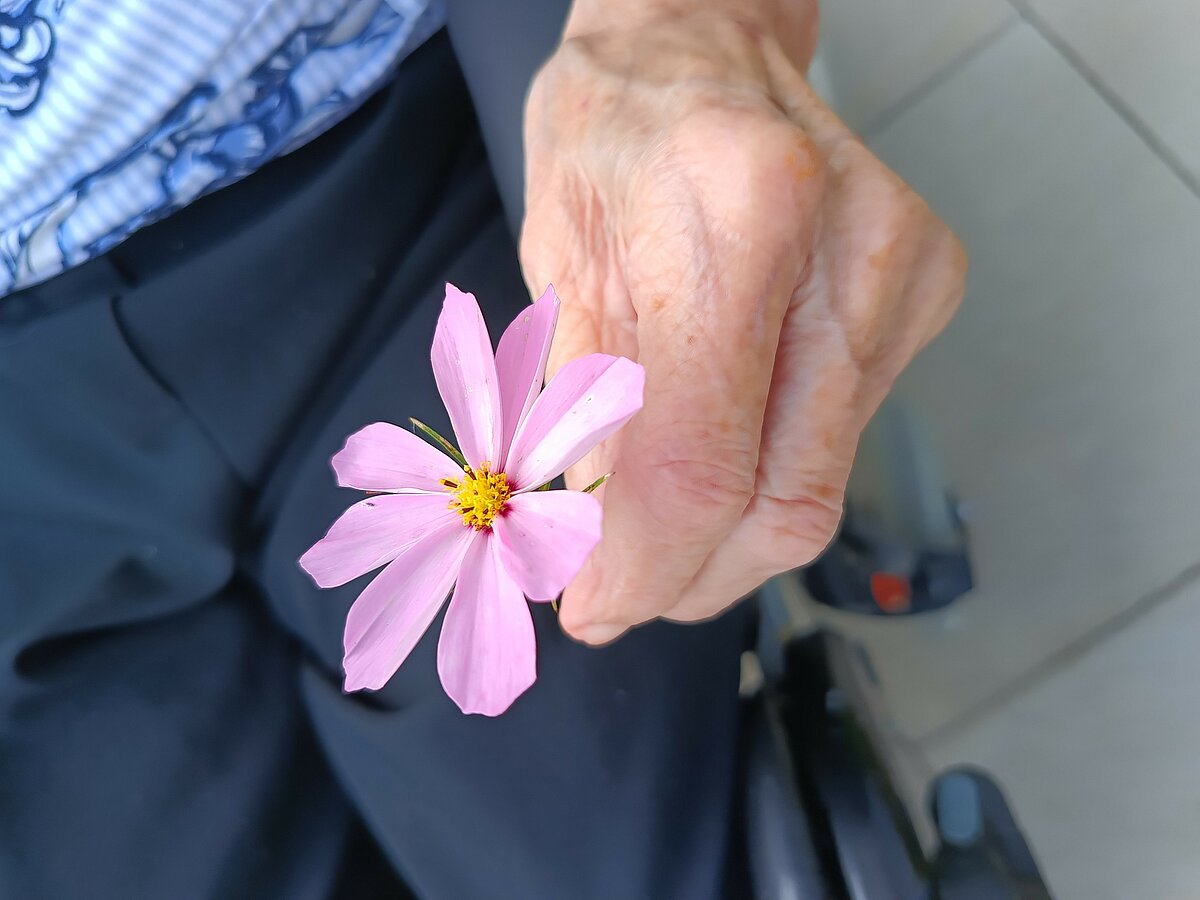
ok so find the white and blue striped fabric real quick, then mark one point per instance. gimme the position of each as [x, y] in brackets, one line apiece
[115, 113]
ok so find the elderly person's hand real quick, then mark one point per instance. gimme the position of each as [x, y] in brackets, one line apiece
[701, 211]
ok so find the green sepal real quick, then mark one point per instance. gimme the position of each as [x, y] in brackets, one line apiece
[599, 481]
[440, 441]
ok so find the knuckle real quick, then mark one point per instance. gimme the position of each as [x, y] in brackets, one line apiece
[893, 204]
[717, 479]
[955, 265]
[947, 263]
[851, 163]
[799, 529]
[748, 163]
[955, 256]
[902, 211]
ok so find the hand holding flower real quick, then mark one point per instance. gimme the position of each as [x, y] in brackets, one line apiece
[705, 214]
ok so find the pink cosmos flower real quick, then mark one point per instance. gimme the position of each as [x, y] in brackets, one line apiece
[483, 528]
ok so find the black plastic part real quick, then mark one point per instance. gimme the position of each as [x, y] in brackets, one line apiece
[841, 578]
[780, 848]
[868, 847]
[833, 825]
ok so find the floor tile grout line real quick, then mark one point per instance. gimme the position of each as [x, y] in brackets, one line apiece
[885, 118]
[1064, 657]
[1127, 113]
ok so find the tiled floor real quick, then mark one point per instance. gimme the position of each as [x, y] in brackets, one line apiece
[1100, 761]
[1061, 139]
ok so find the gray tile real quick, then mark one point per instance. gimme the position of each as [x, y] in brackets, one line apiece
[1148, 54]
[876, 53]
[1064, 397]
[1099, 762]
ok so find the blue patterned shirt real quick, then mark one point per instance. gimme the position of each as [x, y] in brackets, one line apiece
[115, 113]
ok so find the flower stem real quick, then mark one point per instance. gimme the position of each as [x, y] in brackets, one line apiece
[440, 441]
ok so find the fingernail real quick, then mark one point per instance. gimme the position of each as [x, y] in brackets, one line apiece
[599, 633]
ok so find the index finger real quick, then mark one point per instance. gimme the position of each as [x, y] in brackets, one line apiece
[708, 327]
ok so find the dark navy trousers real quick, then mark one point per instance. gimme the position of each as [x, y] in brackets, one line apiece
[172, 723]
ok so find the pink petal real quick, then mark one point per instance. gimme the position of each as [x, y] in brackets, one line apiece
[584, 403]
[373, 532]
[465, 370]
[395, 609]
[521, 363]
[386, 457]
[545, 537]
[487, 654]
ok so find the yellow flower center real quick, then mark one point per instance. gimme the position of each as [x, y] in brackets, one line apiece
[479, 495]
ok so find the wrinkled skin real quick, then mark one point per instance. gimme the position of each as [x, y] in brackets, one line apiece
[701, 211]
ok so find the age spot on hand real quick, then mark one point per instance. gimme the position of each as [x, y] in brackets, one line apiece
[801, 169]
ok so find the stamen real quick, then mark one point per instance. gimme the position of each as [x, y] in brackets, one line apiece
[479, 497]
